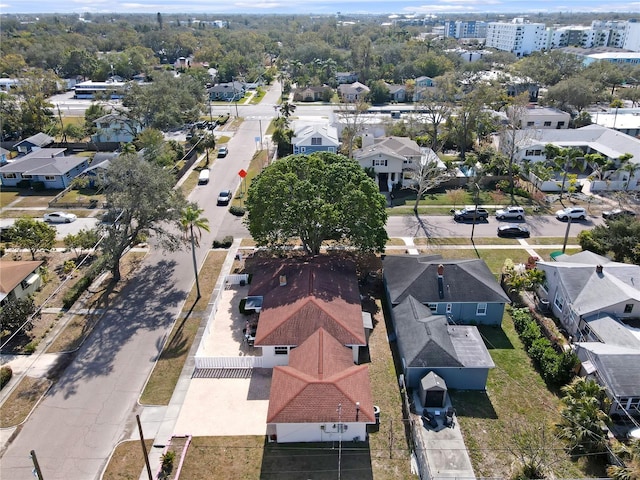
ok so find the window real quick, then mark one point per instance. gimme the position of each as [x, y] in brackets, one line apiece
[530, 124]
[9, 175]
[378, 162]
[448, 308]
[433, 307]
[302, 149]
[560, 124]
[481, 309]
[27, 177]
[49, 177]
[547, 124]
[316, 140]
[558, 301]
[628, 308]
[281, 350]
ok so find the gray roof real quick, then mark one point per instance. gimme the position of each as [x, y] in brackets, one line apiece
[432, 381]
[464, 281]
[36, 163]
[606, 141]
[585, 256]
[427, 340]
[589, 291]
[616, 366]
[612, 332]
[39, 139]
[395, 146]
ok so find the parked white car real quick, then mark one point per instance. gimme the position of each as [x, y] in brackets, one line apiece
[575, 213]
[59, 217]
[510, 213]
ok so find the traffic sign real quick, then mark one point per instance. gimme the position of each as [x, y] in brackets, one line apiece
[242, 173]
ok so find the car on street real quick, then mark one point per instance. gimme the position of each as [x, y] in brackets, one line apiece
[222, 152]
[617, 213]
[203, 176]
[59, 217]
[513, 230]
[575, 213]
[510, 213]
[224, 197]
[471, 213]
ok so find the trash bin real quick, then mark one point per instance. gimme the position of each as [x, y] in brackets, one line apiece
[376, 413]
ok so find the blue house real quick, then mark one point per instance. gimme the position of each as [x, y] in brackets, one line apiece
[428, 343]
[33, 143]
[315, 138]
[230, 92]
[465, 291]
[46, 165]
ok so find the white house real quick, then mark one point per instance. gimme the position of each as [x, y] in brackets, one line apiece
[299, 297]
[391, 159]
[353, 92]
[611, 144]
[584, 285]
[18, 279]
[321, 396]
[315, 138]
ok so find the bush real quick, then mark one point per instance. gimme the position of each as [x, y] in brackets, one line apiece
[521, 317]
[167, 462]
[226, 242]
[538, 350]
[30, 347]
[222, 119]
[37, 186]
[237, 211]
[5, 375]
[530, 334]
[23, 184]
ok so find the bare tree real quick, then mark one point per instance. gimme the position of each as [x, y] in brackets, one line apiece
[353, 117]
[427, 173]
[436, 112]
[513, 137]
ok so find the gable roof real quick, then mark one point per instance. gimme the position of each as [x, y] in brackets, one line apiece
[463, 280]
[320, 376]
[612, 332]
[14, 272]
[305, 132]
[589, 290]
[320, 292]
[428, 341]
[39, 140]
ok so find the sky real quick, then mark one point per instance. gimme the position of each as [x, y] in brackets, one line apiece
[326, 7]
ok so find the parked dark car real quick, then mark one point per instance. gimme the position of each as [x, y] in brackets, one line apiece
[513, 230]
[617, 213]
[471, 213]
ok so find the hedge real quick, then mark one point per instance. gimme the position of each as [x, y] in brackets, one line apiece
[555, 367]
[5, 375]
[226, 242]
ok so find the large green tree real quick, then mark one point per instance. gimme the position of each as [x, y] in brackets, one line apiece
[619, 238]
[33, 235]
[143, 201]
[316, 197]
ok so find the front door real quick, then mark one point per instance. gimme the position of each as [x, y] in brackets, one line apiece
[382, 182]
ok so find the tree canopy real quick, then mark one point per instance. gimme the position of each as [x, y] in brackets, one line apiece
[142, 199]
[620, 238]
[33, 235]
[317, 197]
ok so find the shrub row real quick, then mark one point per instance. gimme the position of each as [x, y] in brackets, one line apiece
[226, 242]
[78, 289]
[5, 375]
[556, 368]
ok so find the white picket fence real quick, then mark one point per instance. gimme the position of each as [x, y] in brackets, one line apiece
[228, 362]
[237, 279]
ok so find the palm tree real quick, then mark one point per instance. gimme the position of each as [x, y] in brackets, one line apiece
[192, 224]
[627, 167]
[631, 458]
[563, 159]
[208, 143]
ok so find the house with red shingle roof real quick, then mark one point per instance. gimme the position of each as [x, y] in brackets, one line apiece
[301, 295]
[321, 396]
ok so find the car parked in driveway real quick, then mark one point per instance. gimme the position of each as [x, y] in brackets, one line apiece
[59, 217]
[617, 213]
[510, 213]
[471, 213]
[224, 197]
[575, 213]
[513, 231]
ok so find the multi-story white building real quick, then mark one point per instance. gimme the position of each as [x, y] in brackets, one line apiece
[631, 36]
[517, 37]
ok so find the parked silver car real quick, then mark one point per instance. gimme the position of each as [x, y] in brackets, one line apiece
[510, 213]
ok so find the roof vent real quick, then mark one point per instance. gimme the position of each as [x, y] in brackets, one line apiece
[599, 269]
[283, 280]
